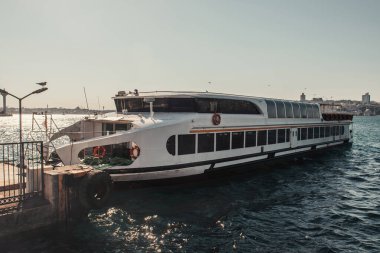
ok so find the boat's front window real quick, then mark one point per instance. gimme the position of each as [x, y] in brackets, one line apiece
[200, 105]
[111, 128]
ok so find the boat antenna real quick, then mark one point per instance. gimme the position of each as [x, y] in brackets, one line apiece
[85, 95]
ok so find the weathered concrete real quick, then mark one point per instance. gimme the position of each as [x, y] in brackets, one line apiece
[59, 205]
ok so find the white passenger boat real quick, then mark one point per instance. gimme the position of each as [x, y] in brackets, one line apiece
[159, 135]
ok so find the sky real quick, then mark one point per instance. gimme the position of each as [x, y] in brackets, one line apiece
[279, 49]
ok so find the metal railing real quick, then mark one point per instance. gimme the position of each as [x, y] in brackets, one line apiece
[21, 176]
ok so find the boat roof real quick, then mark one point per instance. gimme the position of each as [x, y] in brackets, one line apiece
[195, 94]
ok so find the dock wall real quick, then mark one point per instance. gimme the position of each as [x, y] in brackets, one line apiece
[60, 203]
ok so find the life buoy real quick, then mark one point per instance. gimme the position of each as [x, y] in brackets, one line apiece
[216, 119]
[134, 152]
[99, 151]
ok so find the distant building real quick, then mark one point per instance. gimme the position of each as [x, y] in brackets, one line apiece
[317, 100]
[303, 97]
[366, 99]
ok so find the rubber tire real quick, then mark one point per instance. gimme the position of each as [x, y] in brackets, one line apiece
[95, 189]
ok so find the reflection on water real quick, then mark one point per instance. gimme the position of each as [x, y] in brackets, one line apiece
[329, 203]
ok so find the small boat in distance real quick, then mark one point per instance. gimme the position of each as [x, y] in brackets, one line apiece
[160, 135]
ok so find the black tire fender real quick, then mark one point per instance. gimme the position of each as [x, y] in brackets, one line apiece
[95, 189]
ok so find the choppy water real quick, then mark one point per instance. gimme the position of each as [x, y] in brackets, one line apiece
[329, 203]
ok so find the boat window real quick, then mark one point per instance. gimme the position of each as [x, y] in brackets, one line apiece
[250, 139]
[206, 105]
[280, 109]
[271, 108]
[299, 134]
[316, 132]
[222, 141]
[327, 131]
[336, 130]
[201, 105]
[296, 110]
[303, 110]
[107, 129]
[206, 143]
[341, 130]
[303, 133]
[186, 144]
[231, 106]
[316, 111]
[281, 135]
[228, 106]
[322, 132]
[310, 133]
[262, 138]
[310, 111]
[170, 145]
[237, 140]
[122, 127]
[289, 109]
[287, 135]
[272, 137]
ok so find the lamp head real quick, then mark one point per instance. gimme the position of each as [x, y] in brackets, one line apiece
[40, 90]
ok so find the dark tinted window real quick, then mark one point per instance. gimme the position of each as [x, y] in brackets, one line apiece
[271, 107]
[229, 106]
[310, 111]
[336, 130]
[310, 134]
[289, 109]
[299, 134]
[272, 136]
[316, 132]
[322, 132]
[303, 133]
[296, 110]
[124, 127]
[107, 128]
[250, 139]
[232, 106]
[238, 140]
[341, 130]
[332, 131]
[280, 109]
[170, 145]
[316, 111]
[303, 111]
[327, 131]
[222, 141]
[206, 143]
[186, 144]
[202, 105]
[281, 135]
[262, 138]
[287, 135]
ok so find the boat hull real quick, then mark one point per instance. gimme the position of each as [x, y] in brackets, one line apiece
[219, 165]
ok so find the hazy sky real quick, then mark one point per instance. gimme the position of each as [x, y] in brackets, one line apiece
[325, 48]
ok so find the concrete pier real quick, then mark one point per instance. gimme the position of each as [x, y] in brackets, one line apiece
[68, 194]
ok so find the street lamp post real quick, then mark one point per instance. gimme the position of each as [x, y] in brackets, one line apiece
[19, 104]
[20, 130]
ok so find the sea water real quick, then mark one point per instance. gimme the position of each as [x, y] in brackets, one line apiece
[327, 203]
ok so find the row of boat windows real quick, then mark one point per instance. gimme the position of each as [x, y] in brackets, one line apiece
[286, 109]
[211, 142]
[200, 105]
[319, 132]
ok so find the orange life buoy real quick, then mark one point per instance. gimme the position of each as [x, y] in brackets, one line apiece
[216, 119]
[134, 152]
[99, 151]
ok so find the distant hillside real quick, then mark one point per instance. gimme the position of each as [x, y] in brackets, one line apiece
[57, 110]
